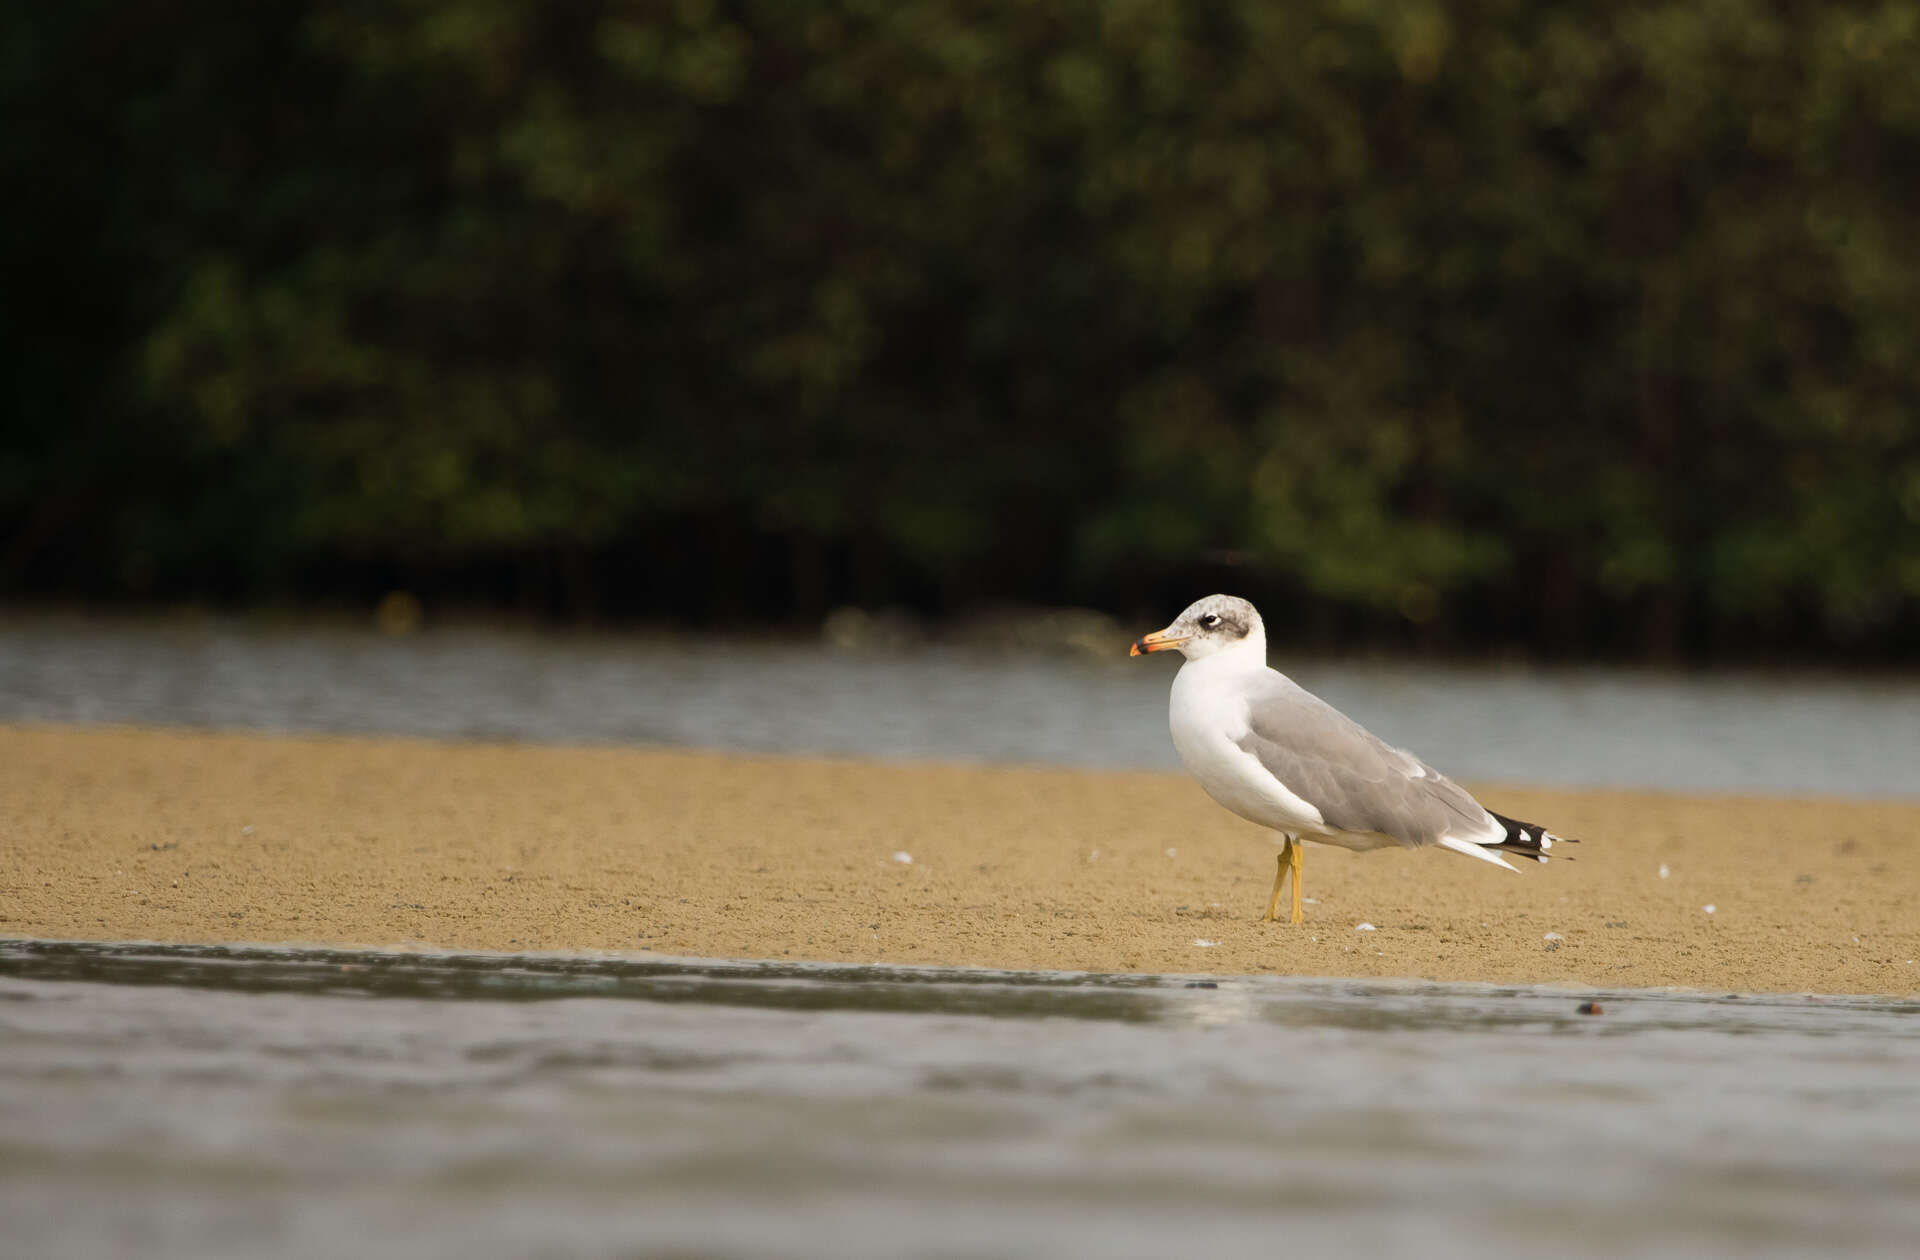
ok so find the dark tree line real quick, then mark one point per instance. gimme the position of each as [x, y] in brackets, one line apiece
[1453, 324]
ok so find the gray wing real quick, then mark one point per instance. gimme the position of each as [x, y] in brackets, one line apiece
[1357, 781]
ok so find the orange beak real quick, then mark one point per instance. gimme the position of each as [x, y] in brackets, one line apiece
[1158, 641]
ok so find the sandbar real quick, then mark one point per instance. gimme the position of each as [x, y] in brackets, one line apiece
[113, 833]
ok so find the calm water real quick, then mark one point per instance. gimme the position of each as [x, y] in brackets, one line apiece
[1731, 732]
[166, 1102]
[209, 1102]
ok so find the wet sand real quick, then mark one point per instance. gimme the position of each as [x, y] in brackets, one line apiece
[118, 834]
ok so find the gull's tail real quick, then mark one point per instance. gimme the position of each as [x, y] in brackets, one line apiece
[1527, 839]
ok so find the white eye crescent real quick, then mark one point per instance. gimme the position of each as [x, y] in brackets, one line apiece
[1210, 620]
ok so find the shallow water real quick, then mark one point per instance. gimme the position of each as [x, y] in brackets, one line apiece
[1712, 732]
[160, 1101]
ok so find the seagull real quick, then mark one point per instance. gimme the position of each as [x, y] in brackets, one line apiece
[1278, 755]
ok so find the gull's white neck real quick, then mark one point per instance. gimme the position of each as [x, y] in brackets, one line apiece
[1207, 710]
[1248, 654]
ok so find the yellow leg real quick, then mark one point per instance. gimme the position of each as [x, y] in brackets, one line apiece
[1279, 880]
[1292, 853]
[1298, 854]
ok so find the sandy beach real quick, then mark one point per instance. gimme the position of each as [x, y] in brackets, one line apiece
[128, 834]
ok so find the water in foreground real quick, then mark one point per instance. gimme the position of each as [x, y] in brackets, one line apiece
[204, 1101]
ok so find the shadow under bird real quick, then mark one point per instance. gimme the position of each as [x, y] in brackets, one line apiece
[1278, 755]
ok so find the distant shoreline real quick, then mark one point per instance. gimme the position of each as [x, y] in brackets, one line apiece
[115, 833]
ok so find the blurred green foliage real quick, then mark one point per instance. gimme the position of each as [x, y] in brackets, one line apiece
[1589, 328]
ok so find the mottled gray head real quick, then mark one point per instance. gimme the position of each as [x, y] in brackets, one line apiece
[1207, 626]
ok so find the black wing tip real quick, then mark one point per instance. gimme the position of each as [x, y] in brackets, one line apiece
[1527, 839]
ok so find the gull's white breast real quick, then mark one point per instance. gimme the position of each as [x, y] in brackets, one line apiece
[1207, 714]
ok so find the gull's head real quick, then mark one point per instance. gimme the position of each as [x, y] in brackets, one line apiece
[1214, 624]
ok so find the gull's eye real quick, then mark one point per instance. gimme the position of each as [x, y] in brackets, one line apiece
[1210, 620]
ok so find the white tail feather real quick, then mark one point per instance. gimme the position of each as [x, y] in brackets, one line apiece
[1471, 849]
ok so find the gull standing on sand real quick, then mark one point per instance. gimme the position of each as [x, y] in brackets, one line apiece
[1275, 754]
